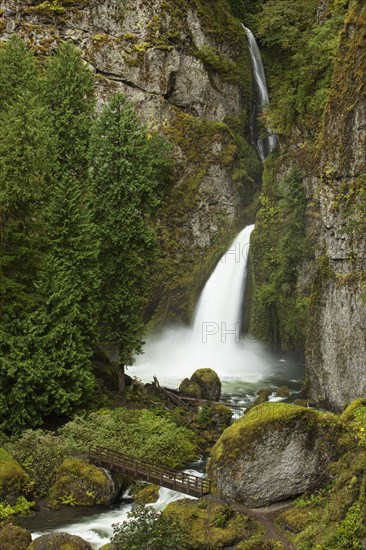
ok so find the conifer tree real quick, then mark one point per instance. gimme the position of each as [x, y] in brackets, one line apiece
[19, 71]
[27, 165]
[128, 167]
[69, 93]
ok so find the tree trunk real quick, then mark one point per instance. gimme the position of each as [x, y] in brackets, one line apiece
[122, 384]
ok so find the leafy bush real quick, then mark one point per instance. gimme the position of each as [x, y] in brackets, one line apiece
[148, 529]
[40, 453]
[141, 434]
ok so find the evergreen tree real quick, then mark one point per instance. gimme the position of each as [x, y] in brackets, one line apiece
[62, 329]
[19, 71]
[27, 164]
[128, 166]
[69, 93]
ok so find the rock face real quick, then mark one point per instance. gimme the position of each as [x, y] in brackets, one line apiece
[14, 481]
[336, 346]
[204, 384]
[186, 68]
[59, 541]
[276, 451]
[12, 536]
[81, 483]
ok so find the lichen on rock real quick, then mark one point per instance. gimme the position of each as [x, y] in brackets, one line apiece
[276, 451]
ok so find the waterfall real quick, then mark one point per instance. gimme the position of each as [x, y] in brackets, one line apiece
[213, 338]
[219, 309]
[265, 145]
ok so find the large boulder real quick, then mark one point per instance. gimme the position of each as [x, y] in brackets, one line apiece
[274, 452]
[59, 541]
[14, 537]
[14, 481]
[204, 384]
[81, 483]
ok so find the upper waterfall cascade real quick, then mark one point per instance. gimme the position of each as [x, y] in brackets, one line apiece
[264, 145]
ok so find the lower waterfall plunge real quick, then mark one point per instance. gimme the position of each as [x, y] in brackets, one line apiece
[213, 339]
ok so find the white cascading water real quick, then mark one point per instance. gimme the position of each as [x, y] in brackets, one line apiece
[213, 339]
[265, 145]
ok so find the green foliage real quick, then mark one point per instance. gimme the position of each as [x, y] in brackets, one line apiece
[40, 453]
[301, 48]
[334, 517]
[278, 246]
[69, 94]
[19, 72]
[141, 434]
[22, 506]
[146, 528]
[128, 170]
[61, 330]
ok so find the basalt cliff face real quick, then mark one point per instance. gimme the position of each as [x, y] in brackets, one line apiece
[308, 293]
[336, 341]
[187, 70]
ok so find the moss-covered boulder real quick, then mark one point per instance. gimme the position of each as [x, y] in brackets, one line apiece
[14, 481]
[212, 525]
[59, 541]
[13, 537]
[204, 383]
[276, 451]
[81, 483]
[283, 391]
[146, 494]
[109, 546]
[190, 389]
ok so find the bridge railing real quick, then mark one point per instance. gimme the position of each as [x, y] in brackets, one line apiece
[141, 469]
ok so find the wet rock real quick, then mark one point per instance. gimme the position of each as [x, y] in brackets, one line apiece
[283, 391]
[147, 494]
[276, 451]
[14, 481]
[14, 537]
[81, 483]
[59, 541]
[209, 382]
[190, 389]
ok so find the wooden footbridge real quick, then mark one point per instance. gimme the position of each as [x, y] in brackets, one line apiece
[140, 469]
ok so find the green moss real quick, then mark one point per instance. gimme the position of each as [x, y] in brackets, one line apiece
[146, 495]
[278, 308]
[14, 481]
[185, 265]
[269, 416]
[80, 483]
[334, 517]
[13, 537]
[190, 388]
[211, 525]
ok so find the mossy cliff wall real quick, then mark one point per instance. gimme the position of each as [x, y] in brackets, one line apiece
[307, 273]
[336, 341]
[186, 68]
